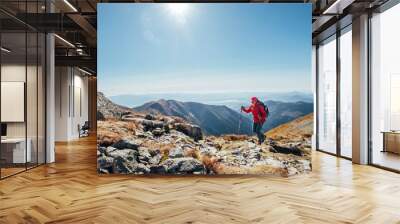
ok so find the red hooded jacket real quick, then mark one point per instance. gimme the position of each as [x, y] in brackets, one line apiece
[258, 111]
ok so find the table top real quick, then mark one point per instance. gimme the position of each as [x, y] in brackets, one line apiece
[391, 132]
[13, 140]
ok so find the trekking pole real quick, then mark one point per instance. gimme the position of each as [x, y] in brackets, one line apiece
[240, 121]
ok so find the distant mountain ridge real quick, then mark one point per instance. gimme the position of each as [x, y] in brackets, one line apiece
[107, 108]
[217, 119]
[232, 100]
[213, 119]
[283, 112]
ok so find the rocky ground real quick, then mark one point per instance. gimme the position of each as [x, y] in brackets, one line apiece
[138, 143]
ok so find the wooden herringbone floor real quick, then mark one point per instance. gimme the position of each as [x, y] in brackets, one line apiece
[70, 191]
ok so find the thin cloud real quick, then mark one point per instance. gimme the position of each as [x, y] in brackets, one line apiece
[151, 37]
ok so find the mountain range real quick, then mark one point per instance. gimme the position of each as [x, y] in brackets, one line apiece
[213, 119]
[217, 120]
[283, 112]
[232, 100]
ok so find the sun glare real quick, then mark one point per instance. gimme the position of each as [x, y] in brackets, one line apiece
[178, 10]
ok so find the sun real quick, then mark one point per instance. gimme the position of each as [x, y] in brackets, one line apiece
[178, 10]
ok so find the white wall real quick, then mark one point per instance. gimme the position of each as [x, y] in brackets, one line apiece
[33, 126]
[71, 102]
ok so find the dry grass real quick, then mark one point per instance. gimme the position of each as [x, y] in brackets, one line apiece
[235, 137]
[194, 153]
[111, 131]
[211, 163]
[107, 138]
[131, 126]
[164, 149]
[296, 129]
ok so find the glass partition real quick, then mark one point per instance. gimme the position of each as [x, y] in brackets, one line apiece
[346, 93]
[23, 91]
[385, 89]
[327, 95]
[31, 98]
[13, 94]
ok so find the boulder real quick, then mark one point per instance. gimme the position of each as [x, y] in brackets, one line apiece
[103, 171]
[155, 160]
[109, 149]
[125, 154]
[190, 130]
[210, 150]
[149, 117]
[154, 152]
[157, 132]
[105, 162]
[129, 167]
[175, 153]
[144, 135]
[126, 144]
[236, 152]
[139, 168]
[101, 149]
[185, 165]
[144, 155]
[287, 150]
[149, 125]
[254, 154]
[158, 169]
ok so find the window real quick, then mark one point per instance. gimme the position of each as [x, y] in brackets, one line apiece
[327, 95]
[346, 93]
[385, 89]
[23, 89]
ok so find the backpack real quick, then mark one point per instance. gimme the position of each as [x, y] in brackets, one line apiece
[266, 109]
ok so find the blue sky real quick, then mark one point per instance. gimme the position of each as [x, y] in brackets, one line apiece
[178, 48]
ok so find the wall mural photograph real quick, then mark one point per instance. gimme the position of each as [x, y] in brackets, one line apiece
[204, 89]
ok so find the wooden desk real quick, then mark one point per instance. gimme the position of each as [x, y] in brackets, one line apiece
[13, 150]
[391, 141]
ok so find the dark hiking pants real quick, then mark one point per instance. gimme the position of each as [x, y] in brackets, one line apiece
[257, 129]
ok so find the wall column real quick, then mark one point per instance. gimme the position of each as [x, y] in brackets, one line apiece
[50, 98]
[360, 90]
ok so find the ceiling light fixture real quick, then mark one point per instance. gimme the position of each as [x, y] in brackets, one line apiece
[5, 50]
[337, 7]
[64, 40]
[70, 5]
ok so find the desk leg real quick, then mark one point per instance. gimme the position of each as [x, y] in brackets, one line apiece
[384, 142]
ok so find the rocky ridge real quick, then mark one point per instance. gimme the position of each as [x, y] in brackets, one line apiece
[137, 143]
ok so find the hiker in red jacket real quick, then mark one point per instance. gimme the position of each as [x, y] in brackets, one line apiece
[258, 109]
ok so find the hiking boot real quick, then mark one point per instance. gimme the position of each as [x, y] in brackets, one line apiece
[263, 139]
